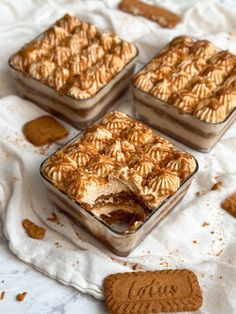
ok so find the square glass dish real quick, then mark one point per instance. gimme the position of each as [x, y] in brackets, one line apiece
[73, 70]
[188, 91]
[118, 179]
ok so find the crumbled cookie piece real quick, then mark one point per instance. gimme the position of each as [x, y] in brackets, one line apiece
[21, 296]
[217, 186]
[33, 230]
[44, 130]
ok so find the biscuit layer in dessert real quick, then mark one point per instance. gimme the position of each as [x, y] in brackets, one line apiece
[74, 58]
[193, 76]
[119, 170]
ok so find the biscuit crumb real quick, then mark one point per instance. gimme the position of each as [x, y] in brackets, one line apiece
[194, 241]
[58, 245]
[33, 231]
[219, 253]
[205, 224]
[44, 130]
[2, 295]
[217, 186]
[54, 218]
[21, 296]
[135, 266]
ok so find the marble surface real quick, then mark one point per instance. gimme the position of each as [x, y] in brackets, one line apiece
[45, 295]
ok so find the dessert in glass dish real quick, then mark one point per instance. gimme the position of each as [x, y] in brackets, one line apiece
[118, 179]
[188, 91]
[73, 70]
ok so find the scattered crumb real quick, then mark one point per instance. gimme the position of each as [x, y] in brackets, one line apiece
[54, 218]
[135, 266]
[220, 239]
[217, 186]
[21, 296]
[200, 193]
[205, 224]
[58, 245]
[125, 263]
[212, 232]
[194, 241]
[219, 253]
[220, 277]
[164, 264]
[2, 281]
[33, 231]
[76, 263]
[2, 295]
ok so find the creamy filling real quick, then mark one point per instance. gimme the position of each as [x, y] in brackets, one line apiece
[113, 202]
[176, 130]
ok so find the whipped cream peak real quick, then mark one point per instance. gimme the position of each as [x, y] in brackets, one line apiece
[203, 49]
[101, 166]
[138, 134]
[163, 89]
[68, 22]
[210, 110]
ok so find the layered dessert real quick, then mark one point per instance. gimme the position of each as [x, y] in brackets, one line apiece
[189, 91]
[71, 68]
[119, 170]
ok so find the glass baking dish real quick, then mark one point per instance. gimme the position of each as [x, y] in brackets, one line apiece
[79, 113]
[182, 126]
[119, 241]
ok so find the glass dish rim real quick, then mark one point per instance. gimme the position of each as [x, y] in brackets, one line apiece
[128, 233]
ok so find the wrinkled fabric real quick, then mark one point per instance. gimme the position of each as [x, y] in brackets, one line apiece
[197, 235]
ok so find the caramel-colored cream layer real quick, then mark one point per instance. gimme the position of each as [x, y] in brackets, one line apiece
[74, 57]
[119, 155]
[193, 76]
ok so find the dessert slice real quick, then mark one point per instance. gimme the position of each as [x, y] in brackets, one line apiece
[119, 171]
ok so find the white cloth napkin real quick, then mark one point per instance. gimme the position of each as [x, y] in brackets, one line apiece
[69, 254]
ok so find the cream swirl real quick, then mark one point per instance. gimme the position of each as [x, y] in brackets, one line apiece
[80, 153]
[68, 22]
[163, 89]
[145, 81]
[203, 49]
[58, 167]
[183, 166]
[101, 166]
[58, 78]
[41, 70]
[115, 151]
[202, 87]
[164, 184]
[138, 135]
[116, 122]
[98, 136]
[179, 79]
[184, 100]
[215, 73]
[54, 35]
[210, 110]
